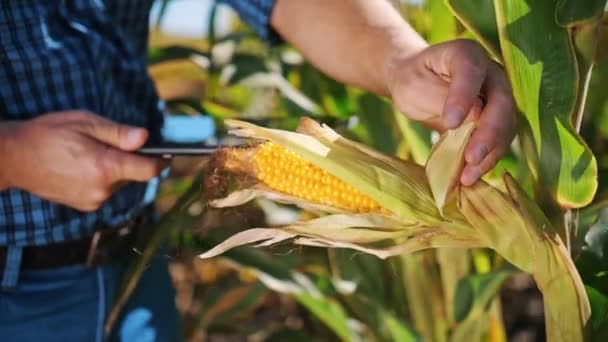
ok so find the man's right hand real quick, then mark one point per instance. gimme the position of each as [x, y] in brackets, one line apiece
[73, 158]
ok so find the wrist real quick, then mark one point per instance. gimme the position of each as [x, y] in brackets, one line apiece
[400, 57]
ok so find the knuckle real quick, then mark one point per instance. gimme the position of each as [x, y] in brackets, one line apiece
[472, 55]
[87, 125]
[470, 46]
[100, 170]
[475, 68]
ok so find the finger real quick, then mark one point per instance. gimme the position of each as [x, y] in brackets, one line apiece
[496, 125]
[120, 136]
[437, 122]
[475, 112]
[124, 166]
[467, 69]
[472, 173]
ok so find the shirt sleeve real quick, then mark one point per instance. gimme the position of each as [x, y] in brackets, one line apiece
[256, 13]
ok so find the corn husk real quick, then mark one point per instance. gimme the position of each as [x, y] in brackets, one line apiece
[423, 208]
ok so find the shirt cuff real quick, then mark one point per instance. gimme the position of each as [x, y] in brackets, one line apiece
[256, 13]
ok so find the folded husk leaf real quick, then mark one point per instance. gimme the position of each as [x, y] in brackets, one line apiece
[445, 164]
[419, 218]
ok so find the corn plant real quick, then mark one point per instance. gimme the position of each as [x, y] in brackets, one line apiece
[402, 204]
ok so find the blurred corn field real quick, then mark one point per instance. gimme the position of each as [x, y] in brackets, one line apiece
[296, 292]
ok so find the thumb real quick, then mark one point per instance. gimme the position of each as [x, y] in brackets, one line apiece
[124, 137]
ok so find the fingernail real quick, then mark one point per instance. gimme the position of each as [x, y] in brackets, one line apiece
[134, 136]
[477, 154]
[453, 118]
[470, 175]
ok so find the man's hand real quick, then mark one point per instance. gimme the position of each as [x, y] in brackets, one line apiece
[74, 158]
[443, 85]
[369, 45]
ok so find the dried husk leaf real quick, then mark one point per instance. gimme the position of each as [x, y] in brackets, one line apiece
[517, 230]
[555, 272]
[248, 237]
[445, 164]
[243, 196]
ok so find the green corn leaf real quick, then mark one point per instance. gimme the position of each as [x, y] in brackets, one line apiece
[599, 315]
[223, 306]
[173, 52]
[592, 261]
[329, 312]
[415, 144]
[546, 82]
[478, 16]
[443, 24]
[475, 292]
[398, 331]
[573, 12]
[376, 118]
[277, 274]
[246, 65]
[424, 295]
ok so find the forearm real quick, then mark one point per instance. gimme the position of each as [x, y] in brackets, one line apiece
[353, 41]
[5, 163]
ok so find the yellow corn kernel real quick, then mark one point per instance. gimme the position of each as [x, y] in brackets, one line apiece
[284, 171]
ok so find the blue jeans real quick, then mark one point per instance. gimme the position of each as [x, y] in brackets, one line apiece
[71, 303]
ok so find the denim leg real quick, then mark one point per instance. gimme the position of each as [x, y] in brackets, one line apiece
[71, 303]
[64, 304]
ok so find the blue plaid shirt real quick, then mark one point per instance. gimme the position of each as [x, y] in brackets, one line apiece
[81, 54]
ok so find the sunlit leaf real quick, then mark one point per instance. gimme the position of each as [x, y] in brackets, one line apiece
[545, 80]
[443, 24]
[330, 313]
[397, 329]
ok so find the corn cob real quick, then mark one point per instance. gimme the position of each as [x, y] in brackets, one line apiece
[284, 171]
